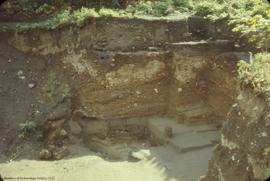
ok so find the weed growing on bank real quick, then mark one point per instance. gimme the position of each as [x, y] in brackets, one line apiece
[256, 73]
[26, 128]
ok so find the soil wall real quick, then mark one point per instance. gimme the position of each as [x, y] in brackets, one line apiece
[244, 151]
[113, 69]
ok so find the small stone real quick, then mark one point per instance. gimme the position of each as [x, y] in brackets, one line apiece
[57, 156]
[20, 72]
[179, 89]
[156, 90]
[135, 104]
[113, 60]
[45, 154]
[9, 61]
[63, 133]
[138, 92]
[31, 85]
[236, 45]
[112, 64]
[22, 77]
[263, 134]
[141, 155]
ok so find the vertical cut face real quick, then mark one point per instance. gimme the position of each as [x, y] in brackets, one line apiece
[194, 87]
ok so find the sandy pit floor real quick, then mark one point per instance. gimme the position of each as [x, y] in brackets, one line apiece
[155, 164]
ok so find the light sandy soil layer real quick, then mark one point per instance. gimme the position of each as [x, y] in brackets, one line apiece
[157, 164]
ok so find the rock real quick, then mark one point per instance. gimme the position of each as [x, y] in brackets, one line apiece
[45, 154]
[60, 153]
[75, 127]
[138, 92]
[156, 90]
[20, 73]
[57, 156]
[63, 133]
[31, 85]
[141, 155]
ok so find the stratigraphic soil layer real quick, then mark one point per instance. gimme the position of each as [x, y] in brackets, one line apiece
[70, 79]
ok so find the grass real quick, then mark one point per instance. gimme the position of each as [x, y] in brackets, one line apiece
[256, 73]
[64, 17]
[213, 9]
[26, 128]
[56, 90]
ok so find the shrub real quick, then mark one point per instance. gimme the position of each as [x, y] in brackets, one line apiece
[156, 8]
[161, 8]
[110, 12]
[45, 8]
[210, 9]
[256, 29]
[256, 73]
[79, 16]
[27, 128]
[141, 8]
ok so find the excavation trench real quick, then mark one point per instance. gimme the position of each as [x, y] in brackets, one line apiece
[118, 91]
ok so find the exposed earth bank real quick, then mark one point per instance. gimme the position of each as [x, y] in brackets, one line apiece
[243, 153]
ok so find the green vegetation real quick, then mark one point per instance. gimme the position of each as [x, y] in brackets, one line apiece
[27, 128]
[256, 73]
[27, 8]
[112, 13]
[45, 9]
[55, 90]
[237, 10]
[256, 28]
[156, 8]
[77, 17]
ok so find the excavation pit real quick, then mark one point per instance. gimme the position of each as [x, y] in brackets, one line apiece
[120, 142]
[141, 95]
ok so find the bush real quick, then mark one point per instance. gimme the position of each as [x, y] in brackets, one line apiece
[27, 128]
[256, 73]
[254, 23]
[143, 7]
[111, 13]
[80, 15]
[77, 17]
[210, 9]
[161, 8]
[156, 8]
